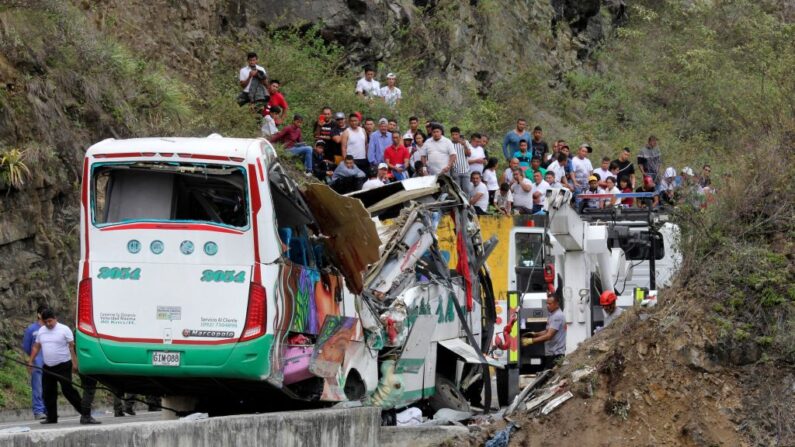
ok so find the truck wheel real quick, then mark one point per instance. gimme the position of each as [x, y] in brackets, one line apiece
[447, 395]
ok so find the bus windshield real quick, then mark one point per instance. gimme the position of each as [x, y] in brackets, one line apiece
[182, 192]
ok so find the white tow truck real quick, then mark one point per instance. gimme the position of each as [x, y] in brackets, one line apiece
[632, 252]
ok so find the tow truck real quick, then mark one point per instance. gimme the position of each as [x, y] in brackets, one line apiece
[577, 256]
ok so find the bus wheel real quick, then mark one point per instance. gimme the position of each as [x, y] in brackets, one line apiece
[447, 395]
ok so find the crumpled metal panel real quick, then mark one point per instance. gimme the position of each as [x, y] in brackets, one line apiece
[352, 239]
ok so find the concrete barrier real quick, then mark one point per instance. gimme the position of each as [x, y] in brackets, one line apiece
[312, 428]
[419, 436]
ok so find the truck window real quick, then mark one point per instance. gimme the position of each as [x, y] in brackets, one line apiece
[124, 192]
[529, 249]
[637, 248]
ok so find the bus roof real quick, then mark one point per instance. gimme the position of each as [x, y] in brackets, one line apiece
[213, 145]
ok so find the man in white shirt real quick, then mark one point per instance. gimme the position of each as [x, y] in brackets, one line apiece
[541, 185]
[391, 94]
[377, 178]
[603, 172]
[248, 72]
[367, 86]
[57, 345]
[522, 191]
[582, 169]
[558, 169]
[439, 151]
[478, 194]
[477, 155]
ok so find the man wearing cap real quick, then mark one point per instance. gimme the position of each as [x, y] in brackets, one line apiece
[290, 136]
[379, 141]
[440, 151]
[396, 156]
[668, 185]
[390, 92]
[368, 86]
[593, 188]
[321, 167]
[609, 309]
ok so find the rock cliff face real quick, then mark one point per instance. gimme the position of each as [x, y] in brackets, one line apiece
[56, 97]
[476, 41]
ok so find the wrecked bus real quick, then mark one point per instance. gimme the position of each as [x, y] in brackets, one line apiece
[206, 274]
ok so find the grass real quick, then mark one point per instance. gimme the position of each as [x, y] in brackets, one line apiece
[14, 383]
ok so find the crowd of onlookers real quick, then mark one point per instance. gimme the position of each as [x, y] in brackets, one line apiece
[353, 152]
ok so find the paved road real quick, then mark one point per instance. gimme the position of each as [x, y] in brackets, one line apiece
[74, 421]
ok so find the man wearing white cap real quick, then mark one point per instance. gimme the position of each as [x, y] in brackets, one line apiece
[390, 93]
[667, 187]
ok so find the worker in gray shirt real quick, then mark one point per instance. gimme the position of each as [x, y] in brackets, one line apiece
[553, 337]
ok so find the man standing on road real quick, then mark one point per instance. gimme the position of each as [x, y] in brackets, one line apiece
[57, 345]
[553, 337]
[510, 144]
[29, 337]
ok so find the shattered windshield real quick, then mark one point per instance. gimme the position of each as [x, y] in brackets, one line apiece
[125, 192]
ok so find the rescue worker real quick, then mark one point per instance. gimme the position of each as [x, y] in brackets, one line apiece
[608, 302]
[553, 337]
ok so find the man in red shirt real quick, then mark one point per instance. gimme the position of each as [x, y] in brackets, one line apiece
[396, 157]
[277, 99]
[290, 136]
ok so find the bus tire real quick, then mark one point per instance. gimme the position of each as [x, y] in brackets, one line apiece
[447, 395]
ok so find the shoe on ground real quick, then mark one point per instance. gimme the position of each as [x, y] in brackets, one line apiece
[130, 411]
[88, 420]
[39, 416]
[118, 414]
[47, 421]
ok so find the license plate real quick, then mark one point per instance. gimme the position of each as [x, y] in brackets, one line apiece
[165, 358]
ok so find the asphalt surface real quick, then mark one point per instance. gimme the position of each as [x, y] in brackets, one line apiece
[106, 418]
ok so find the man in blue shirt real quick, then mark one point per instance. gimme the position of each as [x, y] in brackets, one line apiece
[379, 141]
[510, 144]
[28, 339]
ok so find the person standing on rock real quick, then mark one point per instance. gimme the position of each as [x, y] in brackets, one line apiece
[57, 345]
[391, 94]
[28, 339]
[553, 337]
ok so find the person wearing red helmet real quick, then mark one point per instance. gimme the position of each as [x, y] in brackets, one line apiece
[608, 302]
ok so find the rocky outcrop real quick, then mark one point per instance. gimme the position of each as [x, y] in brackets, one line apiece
[476, 41]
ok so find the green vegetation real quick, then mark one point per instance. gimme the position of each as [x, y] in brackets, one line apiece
[14, 383]
[13, 170]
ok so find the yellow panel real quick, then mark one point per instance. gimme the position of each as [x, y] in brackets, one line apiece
[499, 226]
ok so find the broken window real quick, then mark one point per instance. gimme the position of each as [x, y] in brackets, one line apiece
[186, 192]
